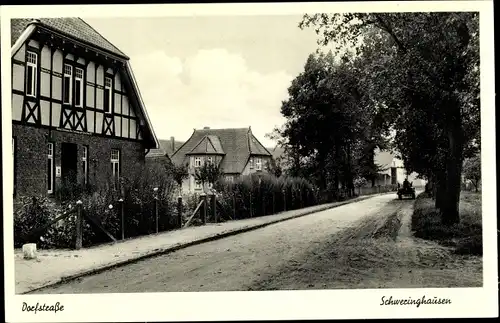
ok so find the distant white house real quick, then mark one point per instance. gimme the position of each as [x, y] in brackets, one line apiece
[394, 172]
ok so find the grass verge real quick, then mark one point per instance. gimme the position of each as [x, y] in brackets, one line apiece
[465, 237]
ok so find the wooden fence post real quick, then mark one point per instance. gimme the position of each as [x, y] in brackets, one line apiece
[79, 226]
[179, 211]
[251, 211]
[301, 199]
[122, 210]
[156, 207]
[263, 203]
[203, 210]
[214, 207]
[234, 205]
[274, 206]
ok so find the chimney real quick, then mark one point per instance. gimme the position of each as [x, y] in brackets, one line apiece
[172, 142]
[206, 128]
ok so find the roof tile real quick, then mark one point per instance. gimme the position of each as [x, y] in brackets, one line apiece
[235, 144]
[74, 27]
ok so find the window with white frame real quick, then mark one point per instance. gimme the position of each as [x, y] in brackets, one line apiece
[230, 178]
[210, 159]
[258, 164]
[85, 164]
[78, 87]
[115, 163]
[251, 163]
[50, 167]
[67, 84]
[197, 184]
[31, 74]
[108, 86]
[197, 162]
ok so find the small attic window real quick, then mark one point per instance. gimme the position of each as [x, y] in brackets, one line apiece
[31, 73]
[107, 94]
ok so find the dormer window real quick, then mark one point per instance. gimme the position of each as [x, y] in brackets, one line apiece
[258, 164]
[31, 74]
[108, 86]
[67, 84]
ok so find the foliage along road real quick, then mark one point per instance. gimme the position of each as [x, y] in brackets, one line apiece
[364, 244]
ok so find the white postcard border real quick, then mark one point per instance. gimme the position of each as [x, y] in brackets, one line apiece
[321, 304]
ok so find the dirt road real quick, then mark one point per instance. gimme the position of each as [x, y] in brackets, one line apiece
[353, 246]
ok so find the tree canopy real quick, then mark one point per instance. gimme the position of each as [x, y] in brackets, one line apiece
[412, 74]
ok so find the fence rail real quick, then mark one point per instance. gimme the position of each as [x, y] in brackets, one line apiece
[80, 215]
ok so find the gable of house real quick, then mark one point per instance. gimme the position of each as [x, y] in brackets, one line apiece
[385, 160]
[57, 42]
[235, 145]
[77, 113]
[208, 145]
[72, 27]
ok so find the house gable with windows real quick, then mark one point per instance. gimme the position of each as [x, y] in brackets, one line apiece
[236, 151]
[77, 112]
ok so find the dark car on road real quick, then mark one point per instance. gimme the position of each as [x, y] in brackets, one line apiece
[406, 191]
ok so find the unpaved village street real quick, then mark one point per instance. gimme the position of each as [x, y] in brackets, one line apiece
[366, 244]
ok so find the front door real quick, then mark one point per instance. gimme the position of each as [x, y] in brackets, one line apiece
[69, 163]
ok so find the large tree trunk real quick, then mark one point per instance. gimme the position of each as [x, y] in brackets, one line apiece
[449, 209]
[440, 193]
[440, 189]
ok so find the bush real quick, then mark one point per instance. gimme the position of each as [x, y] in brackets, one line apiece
[189, 203]
[69, 191]
[137, 191]
[465, 237]
[139, 196]
[263, 194]
[31, 213]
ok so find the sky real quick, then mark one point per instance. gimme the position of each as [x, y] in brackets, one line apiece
[217, 72]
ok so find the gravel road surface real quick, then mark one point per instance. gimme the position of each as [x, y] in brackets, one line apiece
[288, 255]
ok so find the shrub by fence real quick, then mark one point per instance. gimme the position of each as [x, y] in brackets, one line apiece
[263, 194]
[138, 199]
[144, 203]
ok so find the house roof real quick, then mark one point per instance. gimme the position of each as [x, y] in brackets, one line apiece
[209, 144]
[383, 158]
[78, 30]
[165, 148]
[237, 145]
[73, 27]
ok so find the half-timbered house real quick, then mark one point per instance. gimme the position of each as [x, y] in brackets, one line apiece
[77, 112]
